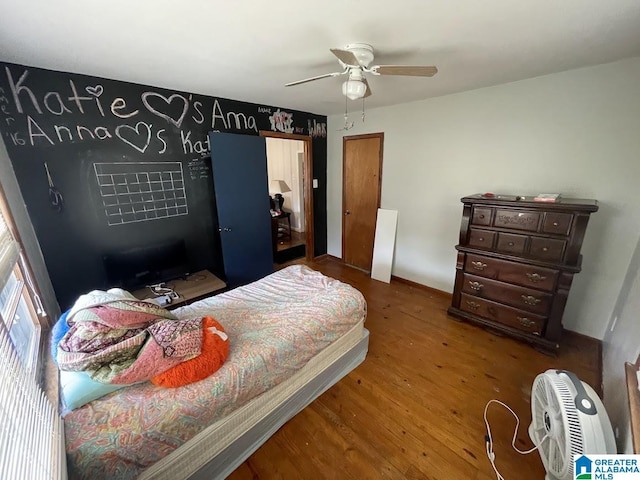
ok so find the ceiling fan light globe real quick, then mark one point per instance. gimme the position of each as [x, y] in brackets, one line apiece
[354, 89]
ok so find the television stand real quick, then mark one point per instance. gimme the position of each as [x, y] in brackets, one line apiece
[191, 288]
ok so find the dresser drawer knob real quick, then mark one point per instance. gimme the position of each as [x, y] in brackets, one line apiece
[555, 224]
[476, 286]
[473, 305]
[535, 277]
[480, 216]
[530, 299]
[525, 322]
[545, 249]
[479, 265]
[511, 244]
[481, 239]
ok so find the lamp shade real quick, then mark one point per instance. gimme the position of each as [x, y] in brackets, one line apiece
[354, 89]
[279, 186]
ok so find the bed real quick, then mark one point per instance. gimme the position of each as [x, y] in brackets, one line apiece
[292, 335]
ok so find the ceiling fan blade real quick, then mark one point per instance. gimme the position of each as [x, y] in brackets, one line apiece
[368, 92]
[326, 75]
[346, 57]
[407, 70]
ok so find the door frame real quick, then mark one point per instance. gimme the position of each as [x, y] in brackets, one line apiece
[307, 186]
[345, 139]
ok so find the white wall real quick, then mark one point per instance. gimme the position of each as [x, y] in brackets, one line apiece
[622, 344]
[576, 132]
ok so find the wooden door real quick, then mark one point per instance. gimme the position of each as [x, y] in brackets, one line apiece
[239, 167]
[361, 184]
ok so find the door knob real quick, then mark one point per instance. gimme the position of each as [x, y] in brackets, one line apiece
[347, 212]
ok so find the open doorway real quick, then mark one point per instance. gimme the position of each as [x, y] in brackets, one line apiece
[289, 175]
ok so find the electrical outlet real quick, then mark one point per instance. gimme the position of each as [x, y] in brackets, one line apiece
[613, 324]
[315, 183]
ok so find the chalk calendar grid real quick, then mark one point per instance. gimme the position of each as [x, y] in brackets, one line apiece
[136, 192]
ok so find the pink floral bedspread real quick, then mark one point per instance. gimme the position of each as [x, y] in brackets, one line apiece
[275, 326]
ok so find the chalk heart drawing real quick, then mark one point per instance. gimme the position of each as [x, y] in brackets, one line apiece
[147, 96]
[139, 136]
[95, 91]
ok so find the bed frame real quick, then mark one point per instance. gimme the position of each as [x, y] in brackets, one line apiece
[235, 454]
[195, 461]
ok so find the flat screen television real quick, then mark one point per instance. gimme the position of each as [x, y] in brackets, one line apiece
[138, 267]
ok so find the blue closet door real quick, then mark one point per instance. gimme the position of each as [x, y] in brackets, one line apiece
[239, 167]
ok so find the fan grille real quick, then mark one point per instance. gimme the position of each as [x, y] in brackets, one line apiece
[553, 408]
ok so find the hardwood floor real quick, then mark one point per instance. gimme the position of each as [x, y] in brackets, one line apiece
[286, 242]
[413, 409]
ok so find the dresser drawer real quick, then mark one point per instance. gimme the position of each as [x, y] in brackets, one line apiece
[511, 243]
[513, 317]
[557, 223]
[547, 249]
[513, 295]
[517, 220]
[481, 238]
[481, 216]
[512, 272]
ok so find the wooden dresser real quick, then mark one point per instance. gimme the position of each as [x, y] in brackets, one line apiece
[516, 261]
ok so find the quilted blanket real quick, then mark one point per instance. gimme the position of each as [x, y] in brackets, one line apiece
[119, 339]
[275, 326]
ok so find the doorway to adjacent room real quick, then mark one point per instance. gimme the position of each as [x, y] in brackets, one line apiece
[289, 171]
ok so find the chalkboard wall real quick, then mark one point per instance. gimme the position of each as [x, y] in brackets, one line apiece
[92, 133]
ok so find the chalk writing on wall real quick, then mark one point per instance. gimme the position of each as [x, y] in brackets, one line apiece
[145, 121]
[198, 169]
[232, 120]
[4, 108]
[142, 136]
[281, 121]
[89, 130]
[317, 129]
[140, 191]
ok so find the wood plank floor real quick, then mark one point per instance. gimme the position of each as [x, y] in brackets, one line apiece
[413, 409]
[286, 242]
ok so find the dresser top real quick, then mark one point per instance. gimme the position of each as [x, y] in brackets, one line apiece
[561, 203]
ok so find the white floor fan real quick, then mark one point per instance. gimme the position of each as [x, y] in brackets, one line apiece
[568, 418]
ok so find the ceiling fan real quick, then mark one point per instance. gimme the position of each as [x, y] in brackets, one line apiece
[355, 59]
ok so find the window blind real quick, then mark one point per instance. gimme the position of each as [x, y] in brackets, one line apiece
[8, 252]
[31, 431]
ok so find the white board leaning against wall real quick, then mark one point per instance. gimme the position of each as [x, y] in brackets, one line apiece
[384, 244]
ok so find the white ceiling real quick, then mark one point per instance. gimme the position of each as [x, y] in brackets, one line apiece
[248, 50]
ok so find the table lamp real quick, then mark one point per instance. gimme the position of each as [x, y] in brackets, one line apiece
[278, 187]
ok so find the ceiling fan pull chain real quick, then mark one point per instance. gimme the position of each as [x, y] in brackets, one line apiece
[362, 109]
[347, 126]
[346, 114]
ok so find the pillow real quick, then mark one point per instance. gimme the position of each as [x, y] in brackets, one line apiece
[78, 389]
[58, 331]
[215, 349]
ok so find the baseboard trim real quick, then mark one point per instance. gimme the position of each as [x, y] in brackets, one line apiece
[420, 286]
[595, 344]
[326, 256]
